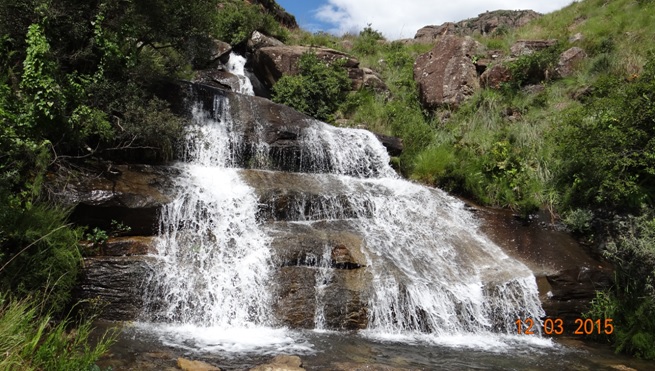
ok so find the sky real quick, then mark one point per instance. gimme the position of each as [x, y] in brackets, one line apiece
[398, 19]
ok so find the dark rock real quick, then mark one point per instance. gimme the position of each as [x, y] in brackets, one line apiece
[527, 47]
[567, 276]
[446, 75]
[123, 246]
[219, 52]
[218, 78]
[296, 196]
[117, 282]
[393, 145]
[130, 194]
[495, 76]
[280, 15]
[296, 244]
[343, 299]
[569, 61]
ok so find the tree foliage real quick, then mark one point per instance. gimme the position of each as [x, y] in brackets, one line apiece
[318, 89]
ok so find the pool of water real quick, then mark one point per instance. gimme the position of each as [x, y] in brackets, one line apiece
[147, 347]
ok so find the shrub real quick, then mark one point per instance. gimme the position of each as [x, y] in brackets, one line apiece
[606, 147]
[367, 42]
[631, 302]
[318, 89]
[237, 20]
[534, 68]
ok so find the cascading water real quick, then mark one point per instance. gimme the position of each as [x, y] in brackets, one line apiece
[237, 66]
[433, 272]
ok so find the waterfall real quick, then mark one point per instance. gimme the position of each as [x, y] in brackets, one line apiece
[237, 66]
[433, 271]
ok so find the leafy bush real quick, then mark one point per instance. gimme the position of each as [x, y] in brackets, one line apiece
[367, 42]
[237, 20]
[631, 302]
[318, 89]
[607, 148]
[579, 220]
[534, 68]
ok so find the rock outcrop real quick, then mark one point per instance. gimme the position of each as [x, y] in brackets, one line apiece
[527, 47]
[495, 76]
[569, 61]
[485, 23]
[446, 75]
[280, 15]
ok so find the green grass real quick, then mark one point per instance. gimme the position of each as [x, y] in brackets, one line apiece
[31, 340]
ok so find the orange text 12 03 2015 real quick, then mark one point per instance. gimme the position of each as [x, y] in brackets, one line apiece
[555, 326]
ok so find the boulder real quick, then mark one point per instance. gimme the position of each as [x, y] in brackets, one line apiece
[490, 22]
[371, 80]
[189, 365]
[219, 52]
[281, 363]
[218, 78]
[495, 76]
[527, 47]
[394, 145]
[429, 34]
[258, 40]
[569, 61]
[446, 75]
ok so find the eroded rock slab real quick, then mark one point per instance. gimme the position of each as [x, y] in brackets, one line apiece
[343, 297]
[130, 194]
[117, 282]
[446, 75]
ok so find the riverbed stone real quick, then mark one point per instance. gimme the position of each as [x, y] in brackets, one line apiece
[281, 363]
[189, 365]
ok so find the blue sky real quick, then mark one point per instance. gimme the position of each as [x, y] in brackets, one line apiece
[398, 18]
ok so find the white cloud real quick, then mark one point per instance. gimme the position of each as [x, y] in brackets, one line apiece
[402, 18]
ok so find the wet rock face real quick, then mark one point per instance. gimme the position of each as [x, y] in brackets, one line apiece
[567, 276]
[117, 282]
[343, 295]
[131, 194]
[446, 75]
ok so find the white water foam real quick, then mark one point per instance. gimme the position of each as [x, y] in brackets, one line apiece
[237, 66]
